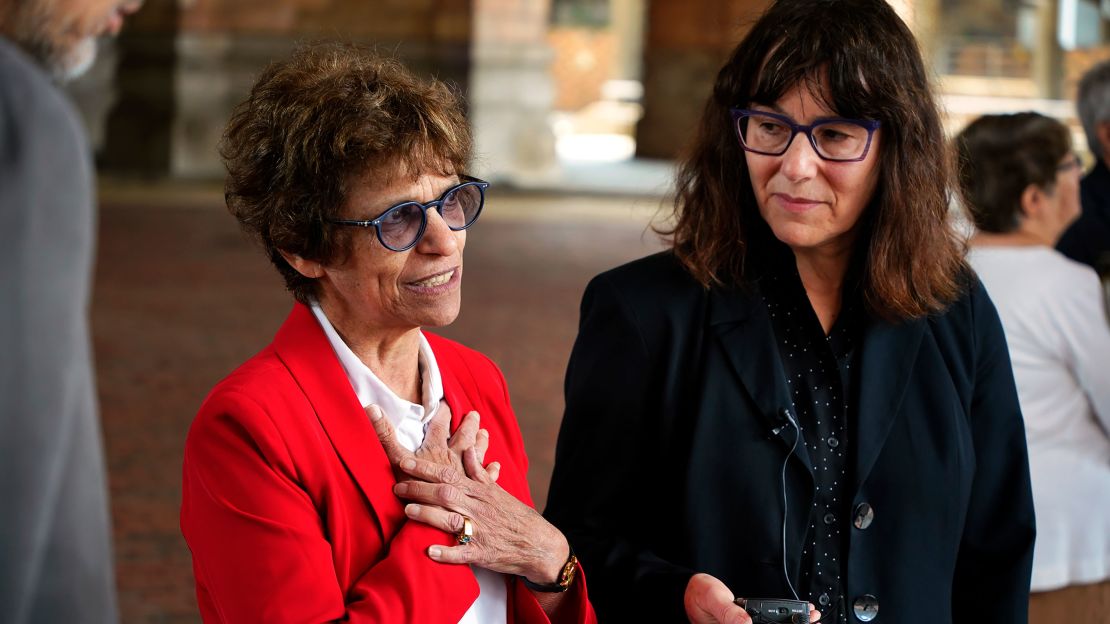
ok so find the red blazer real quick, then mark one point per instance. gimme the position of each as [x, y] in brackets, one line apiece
[287, 504]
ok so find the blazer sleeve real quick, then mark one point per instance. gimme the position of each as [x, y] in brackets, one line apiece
[995, 560]
[260, 546]
[606, 465]
[575, 610]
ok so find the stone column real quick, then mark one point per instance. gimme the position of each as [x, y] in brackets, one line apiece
[628, 30]
[1048, 59]
[686, 44]
[923, 18]
[214, 72]
[136, 136]
[511, 91]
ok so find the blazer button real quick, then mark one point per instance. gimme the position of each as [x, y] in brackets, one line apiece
[824, 600]
[865, 608]
[863, 516]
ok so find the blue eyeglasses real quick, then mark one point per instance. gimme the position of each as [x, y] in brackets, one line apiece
[401, 226]
[1072, 162]
[835, 139]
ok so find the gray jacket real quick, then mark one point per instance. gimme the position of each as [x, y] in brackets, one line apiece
[55, 540]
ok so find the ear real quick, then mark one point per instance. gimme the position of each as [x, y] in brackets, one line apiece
[1033, 201]
[1102, 130]
[307, 268]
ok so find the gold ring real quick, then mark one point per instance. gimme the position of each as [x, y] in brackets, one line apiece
[467, 533]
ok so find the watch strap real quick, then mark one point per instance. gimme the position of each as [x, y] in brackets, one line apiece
[563, 583]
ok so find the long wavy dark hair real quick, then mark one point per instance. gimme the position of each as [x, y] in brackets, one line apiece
[859, 59]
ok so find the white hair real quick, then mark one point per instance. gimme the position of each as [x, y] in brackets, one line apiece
[1094, 104]
[41, 30]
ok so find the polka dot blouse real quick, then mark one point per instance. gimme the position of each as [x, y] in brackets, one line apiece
[820, 374]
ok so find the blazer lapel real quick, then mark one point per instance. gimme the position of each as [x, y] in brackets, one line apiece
[303, 347]
[744, 330]
[886, 362]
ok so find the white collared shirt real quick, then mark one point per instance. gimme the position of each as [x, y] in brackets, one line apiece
[410, 421]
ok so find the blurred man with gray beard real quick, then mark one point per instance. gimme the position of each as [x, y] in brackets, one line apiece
[55, 533]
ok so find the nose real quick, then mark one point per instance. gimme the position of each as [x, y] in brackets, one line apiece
[800, 161]
[438, 239]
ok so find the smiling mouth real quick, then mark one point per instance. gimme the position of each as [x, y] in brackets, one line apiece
[435, 280]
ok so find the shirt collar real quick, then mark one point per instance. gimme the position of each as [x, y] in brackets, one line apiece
[372, 391]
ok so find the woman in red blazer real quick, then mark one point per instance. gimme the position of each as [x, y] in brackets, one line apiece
[345, 168]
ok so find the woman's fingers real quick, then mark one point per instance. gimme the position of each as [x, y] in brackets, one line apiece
[388, 437]
[441, 494]
[493, 470]
[463, 553]
[442, 519]
[508, 536]
[473, 466]
[709, 601]
[466, 433]
[447, 521]
[481, 444]
[467, 437]
[439, 429]
[429, 470]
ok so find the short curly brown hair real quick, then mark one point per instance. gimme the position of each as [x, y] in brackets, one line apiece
[315, 122]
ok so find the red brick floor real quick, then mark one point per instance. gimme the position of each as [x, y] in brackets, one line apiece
[181, 299]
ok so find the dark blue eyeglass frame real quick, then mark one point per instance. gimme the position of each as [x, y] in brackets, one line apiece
[738, 114]
[376, 222]
[1074, 162]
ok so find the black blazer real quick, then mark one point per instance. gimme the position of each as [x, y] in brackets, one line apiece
[668, 461]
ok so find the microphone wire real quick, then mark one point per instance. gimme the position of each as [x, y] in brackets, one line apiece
[786, 505]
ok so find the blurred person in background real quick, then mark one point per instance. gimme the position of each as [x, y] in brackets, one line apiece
[55, 532]
[349, 171]
[809, 393]
[1020, 181]
[1087, 240]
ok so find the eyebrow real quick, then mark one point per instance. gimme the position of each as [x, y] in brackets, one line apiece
[776, 109]
[401, 199]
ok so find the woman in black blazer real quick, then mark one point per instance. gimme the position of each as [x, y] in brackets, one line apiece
[809, 394]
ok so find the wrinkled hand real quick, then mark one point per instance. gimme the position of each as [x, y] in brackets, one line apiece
[709, 601]
[509, 536]
[440, 455]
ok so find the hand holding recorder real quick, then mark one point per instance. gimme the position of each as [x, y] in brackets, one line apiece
[710, 601]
